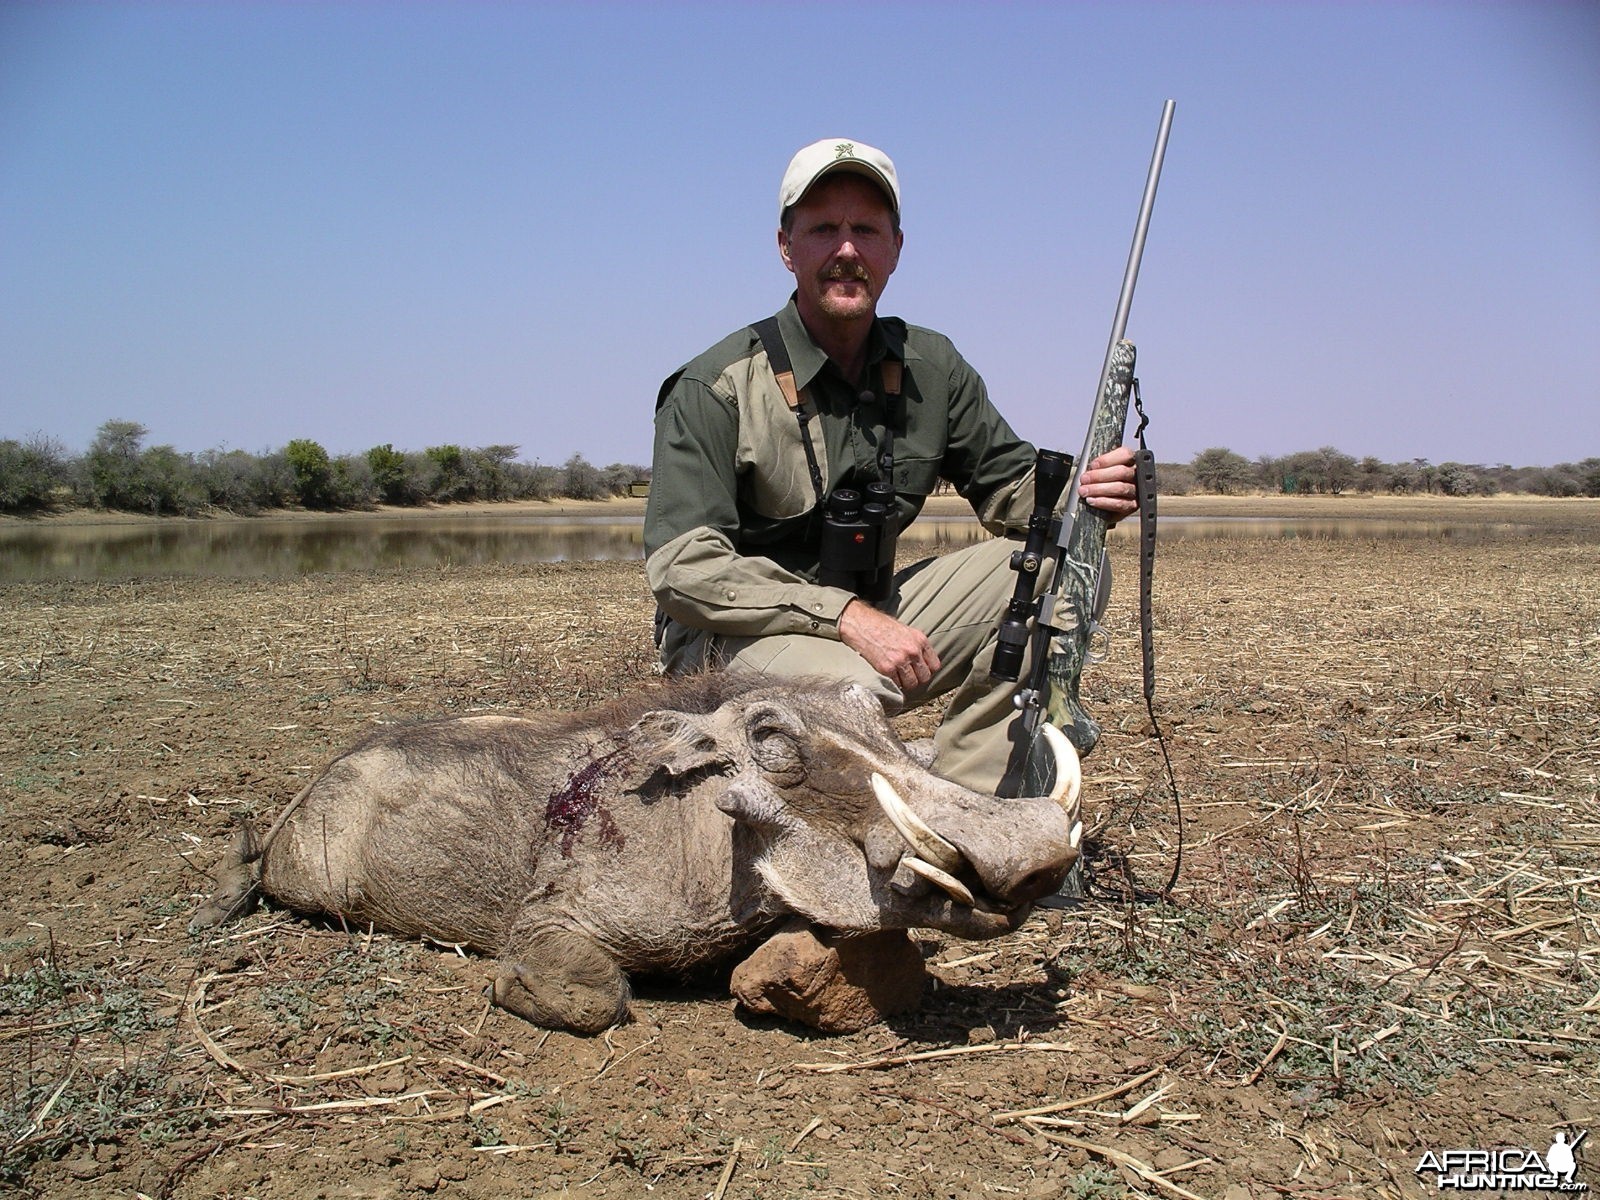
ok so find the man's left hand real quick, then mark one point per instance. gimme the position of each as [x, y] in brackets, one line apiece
[1107, 485]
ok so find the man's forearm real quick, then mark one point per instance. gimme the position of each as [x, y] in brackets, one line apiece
[701, 581]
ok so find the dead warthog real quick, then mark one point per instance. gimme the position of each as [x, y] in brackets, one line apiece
[658, 834]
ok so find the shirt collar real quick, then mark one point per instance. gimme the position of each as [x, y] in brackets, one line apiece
[885, 339]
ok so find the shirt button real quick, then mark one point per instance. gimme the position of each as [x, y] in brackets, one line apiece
[732, 594]
[816, 625]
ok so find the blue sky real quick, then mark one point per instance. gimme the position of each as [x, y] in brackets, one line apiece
[242, 223]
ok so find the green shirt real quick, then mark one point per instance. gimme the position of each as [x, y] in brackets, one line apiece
[731, 539]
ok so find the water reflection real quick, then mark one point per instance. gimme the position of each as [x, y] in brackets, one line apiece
[1334, 529]
[267, 548]
[277, 549]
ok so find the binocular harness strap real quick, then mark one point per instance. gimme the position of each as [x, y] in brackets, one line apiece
[783, 371]
[892, 370]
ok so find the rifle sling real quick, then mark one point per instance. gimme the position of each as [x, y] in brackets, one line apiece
[1144, 482]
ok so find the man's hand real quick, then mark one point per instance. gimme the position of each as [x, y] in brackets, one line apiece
[1107, 485]
[893, 650]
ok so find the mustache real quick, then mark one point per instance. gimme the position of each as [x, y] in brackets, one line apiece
[847, 271]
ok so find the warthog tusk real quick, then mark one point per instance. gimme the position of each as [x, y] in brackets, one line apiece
[928, 844]
[1069, 779]
[949, 884]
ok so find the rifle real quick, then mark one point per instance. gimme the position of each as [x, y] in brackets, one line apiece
[1063, 619]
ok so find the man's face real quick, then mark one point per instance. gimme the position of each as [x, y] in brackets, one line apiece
[842, 247]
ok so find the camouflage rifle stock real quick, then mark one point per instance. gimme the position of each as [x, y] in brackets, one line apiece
[1064, 625]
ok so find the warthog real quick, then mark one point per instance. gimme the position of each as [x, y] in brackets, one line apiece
[661, 833]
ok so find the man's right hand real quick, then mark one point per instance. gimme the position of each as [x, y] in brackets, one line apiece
[893, 650]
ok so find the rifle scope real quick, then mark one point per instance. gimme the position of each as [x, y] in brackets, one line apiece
[1051, 471]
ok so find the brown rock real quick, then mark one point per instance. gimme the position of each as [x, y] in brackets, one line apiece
[837, 985]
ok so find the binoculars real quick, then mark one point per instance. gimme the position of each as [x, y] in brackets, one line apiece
[858, 541]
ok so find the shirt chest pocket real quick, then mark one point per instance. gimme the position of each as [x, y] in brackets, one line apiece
[916, 476]
[774, 469]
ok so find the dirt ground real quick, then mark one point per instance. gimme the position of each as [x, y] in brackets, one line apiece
[1385, 940]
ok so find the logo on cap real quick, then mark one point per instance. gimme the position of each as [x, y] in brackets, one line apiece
[844, 150]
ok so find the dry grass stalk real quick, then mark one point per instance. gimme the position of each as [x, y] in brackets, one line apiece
[1082, 1102]
[900, 1060]
[1118, 1158]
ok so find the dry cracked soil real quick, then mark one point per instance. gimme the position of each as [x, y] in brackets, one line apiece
[1385, 939]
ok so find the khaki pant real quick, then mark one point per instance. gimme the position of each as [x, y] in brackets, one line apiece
[956, 600]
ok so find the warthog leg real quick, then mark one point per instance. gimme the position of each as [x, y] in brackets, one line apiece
[562, 979]
[237, 888]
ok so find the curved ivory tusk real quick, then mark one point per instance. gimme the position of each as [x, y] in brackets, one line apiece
[947, 883]
[1069, 779]
[1069, 771]
[928, 844]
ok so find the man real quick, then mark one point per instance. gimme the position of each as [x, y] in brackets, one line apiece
[746, 458]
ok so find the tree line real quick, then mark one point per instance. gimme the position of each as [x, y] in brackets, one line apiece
[1329, 471]
[119, 472]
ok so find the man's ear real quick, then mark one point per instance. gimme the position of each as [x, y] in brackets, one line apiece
[783, 249]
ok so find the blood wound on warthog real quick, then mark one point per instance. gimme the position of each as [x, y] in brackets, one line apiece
[570, 807]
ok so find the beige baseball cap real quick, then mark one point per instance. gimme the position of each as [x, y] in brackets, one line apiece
[837, 154]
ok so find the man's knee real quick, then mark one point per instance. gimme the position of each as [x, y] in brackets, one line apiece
[795, 656]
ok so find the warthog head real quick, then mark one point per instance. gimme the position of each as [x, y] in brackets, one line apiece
[835, 820]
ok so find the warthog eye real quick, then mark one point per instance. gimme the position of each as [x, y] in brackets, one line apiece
[778, 755]
[775, 734]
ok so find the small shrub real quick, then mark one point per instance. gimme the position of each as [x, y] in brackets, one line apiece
[33, 474]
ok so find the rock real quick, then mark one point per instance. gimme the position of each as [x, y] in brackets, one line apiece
[389, 1081]
[837, 985]
[422, 1177]
[83, 1166]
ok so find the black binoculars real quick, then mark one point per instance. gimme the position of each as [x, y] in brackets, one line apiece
[858, 541]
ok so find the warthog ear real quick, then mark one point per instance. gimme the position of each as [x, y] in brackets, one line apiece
[674, 744]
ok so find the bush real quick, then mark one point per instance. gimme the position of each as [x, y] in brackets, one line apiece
[1459, 479]
[313, 473]
[353, 486]
[110, 477]
[234, 480]
[582, 481]
[117, 473]
[32, 474]
[451, 479]
[397, 478]
[490, 469]
[1222, 471]
[1174, 479]
[170, 482]
[536, 482]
